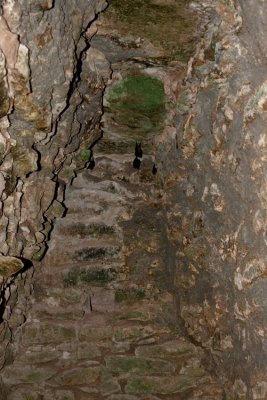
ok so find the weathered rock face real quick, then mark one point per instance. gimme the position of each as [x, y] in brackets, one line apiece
[51, 86]
[212, 170]
[50, 103]
[217, 190]
[188, 239]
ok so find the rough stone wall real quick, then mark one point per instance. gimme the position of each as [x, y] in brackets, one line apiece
[51, 85]
[212, 170]
[216, 185]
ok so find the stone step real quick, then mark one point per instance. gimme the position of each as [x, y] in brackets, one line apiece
[69, 353]
[79, 276]
[138, 365]
[96, 327]
[86, 230]
[99, 214]
[91, 185]
[83, 253]
[102, 323]
[83, 278]
[80, 247]
[90, 375]
[44, 332]
[89, 299]
[55, 296]
[29, 393]
[114, 164]
[18, 373]
[119, 144]
[39, 311]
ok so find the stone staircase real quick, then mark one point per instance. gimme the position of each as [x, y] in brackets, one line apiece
[103, 322]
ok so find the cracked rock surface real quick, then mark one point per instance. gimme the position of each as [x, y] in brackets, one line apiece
[50, 108]
[154, 283]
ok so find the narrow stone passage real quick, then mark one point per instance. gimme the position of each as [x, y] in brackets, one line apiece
[102, 323]
[154, 284]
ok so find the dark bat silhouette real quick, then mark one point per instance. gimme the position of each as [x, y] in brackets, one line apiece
[154, 170]
[138, 150]
[136, 163]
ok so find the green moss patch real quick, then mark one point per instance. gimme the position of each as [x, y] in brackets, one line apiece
[40, 253]
[117, 147]
[140, 94]
[138, 102]
[138, 385]
[94, 252]
[83, 231]
[142, 366]
[95, 277]
[84, 155]
[130, 295]
[169, 25]
[161, 385]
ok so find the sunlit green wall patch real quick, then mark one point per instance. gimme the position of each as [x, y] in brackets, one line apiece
[138, 102]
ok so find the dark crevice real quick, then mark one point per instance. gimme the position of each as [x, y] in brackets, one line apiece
[38, 162]
[76, 76]
[2, 305]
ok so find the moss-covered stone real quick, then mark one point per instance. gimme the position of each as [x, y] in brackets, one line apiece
[84, 155]
[143, 366]
[173, 349]
[18, 373]
[67, 173]
[135, 315]
[10, 266]
[83, 231]
[96, 276]
[45, 333]
[95, 333]
[47, 228]
[138, 385]
[132, 333]
[142, 18]
[161, 385]
[56, 210]
[118, 147]
[130, 295]
[94, 252]
[21, 394]
[63, 314]
[78, 376]
[87, 351]
[39, 354]
[138, 102]
[39, 117]
[40, 253]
